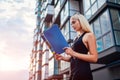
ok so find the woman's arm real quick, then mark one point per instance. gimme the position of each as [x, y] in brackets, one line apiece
[92, 55]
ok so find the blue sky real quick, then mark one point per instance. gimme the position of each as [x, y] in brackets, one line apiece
[17, 23]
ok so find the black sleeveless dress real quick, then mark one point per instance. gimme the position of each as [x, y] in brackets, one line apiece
[80, 70]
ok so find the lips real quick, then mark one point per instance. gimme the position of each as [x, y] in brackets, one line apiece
[74, 28]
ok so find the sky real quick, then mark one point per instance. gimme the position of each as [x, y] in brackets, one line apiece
[17, 23]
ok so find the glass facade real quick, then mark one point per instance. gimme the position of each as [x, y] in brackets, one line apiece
[115, 1]
[43, 72]
[97, 28]
[105, 22]
[64, 13]
[51, 67]
[103, 32]
[107, 39]
[100, 2]
[117, 37]
[65, 30]
[57, 9]
[91, 6]
[115, 15]
[64, 65]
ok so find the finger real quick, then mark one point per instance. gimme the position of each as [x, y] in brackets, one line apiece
[65, 48]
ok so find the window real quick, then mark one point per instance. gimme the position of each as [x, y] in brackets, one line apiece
[115, 19]
[64, 64]
[115, 15]
[99, 45]
[55, 66]
[51, 67]
[57, 9]
[105, 22]
[97, 28]
[88, 14]
[103, 32]
[91, 27]
[115, 1]
[94, 8]
[65, 31]
[108, 41]
[101, 2]
[86, 5]
[64, 13]
[91, 7]
[117, 37]
[92, 1]
[118, 1]
[43, 73]
[61, 2]
[72, 32]
[55, 1]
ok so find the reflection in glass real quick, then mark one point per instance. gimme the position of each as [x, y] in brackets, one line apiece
[86, 5]
[91, 6]
[57, 9]
[65, 31]
[108, 40]
[115, 19]
[64, 13]
[73, 34]
[51, 67]
[99, 45]
[117, 37]
[55, 66]
[92, 1]
[91, 27]
[118, 1]
[94, 8]
[105, 22]
[115, 1]
[97, 28]
[88, 14]
[64, 65]
[61, 2]
[112, 1]
[101, 2]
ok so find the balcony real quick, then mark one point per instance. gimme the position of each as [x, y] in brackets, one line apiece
[110, 55]
[49, 13]
[44, 4]
[50, 1]
[68, 10]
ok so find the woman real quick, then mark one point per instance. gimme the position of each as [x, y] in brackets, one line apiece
[83, 51]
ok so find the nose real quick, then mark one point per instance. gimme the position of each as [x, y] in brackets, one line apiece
[72, 25]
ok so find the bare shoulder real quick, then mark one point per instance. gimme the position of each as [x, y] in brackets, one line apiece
[90, 35]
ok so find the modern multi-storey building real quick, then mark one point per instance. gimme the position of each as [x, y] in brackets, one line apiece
[104, 18]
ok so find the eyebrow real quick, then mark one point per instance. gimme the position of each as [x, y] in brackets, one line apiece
[73, 21]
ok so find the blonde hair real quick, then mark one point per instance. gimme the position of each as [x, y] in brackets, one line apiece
[83, 22]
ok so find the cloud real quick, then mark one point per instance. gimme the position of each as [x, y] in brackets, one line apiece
[17, 22]
[16, 75]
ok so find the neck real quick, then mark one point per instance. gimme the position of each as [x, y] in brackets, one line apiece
[80, 32]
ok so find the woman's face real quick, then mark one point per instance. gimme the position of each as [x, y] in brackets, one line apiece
[75, 24]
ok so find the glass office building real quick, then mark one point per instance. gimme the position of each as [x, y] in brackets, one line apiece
[104, 18]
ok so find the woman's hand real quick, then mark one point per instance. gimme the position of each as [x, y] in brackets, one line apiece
[58, 57]
[69, 51]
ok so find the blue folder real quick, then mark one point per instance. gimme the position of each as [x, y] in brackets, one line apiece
[55, 38]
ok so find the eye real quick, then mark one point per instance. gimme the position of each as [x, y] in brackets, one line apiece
[73, 22]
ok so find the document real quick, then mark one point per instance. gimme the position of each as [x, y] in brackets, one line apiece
[56, 39]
